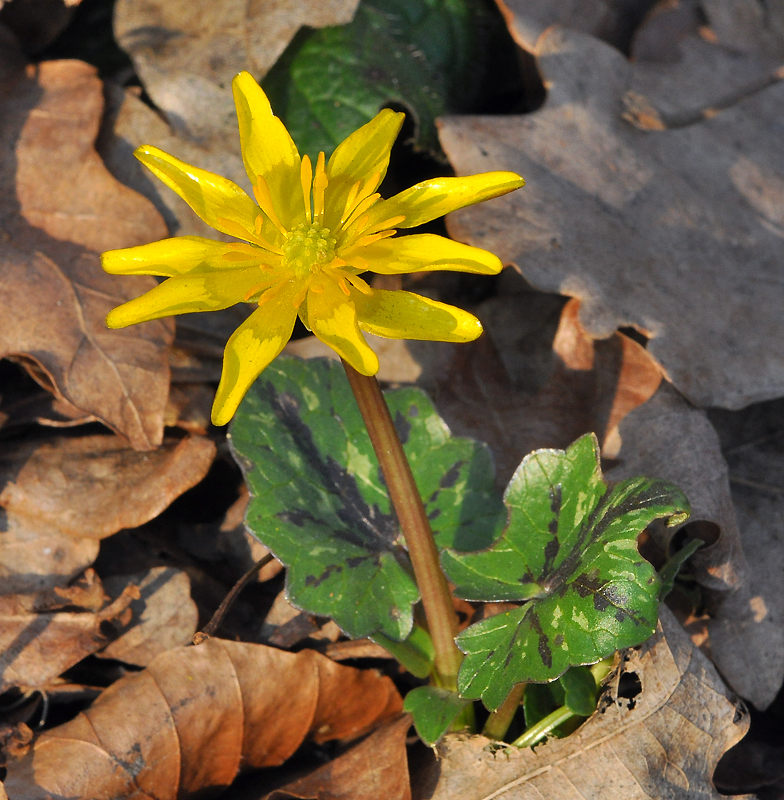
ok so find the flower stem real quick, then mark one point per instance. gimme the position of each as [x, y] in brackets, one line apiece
[499, 721]
[404, 495]
[544, 727]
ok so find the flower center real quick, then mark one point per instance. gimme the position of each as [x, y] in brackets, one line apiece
[309, 247]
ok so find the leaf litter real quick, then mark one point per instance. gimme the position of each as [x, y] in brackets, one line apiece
[551, 368]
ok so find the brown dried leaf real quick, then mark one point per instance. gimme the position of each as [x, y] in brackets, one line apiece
[664, 742]
[197, 716]
[609, 20]
[619, 218]
[747, 635]
[164, 615]
[377, 767]
[35, 648]
[61, 496]
[59, 207]
[187, 51]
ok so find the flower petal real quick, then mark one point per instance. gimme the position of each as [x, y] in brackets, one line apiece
[333, 318]
[434, 198]
[187, 293]
[251, 348]
[182, 255]
[359, 157]
[427, 252]
[268, 149]
[215, 199]
[403, 315]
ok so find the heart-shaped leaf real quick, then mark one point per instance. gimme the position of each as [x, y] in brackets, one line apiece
[318, 500]
[434, 710]
[570, 550]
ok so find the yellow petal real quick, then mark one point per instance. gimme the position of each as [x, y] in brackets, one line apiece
[217, 200]
[251, 348]
[268, 150]
[187, 293]
[426, 252]
[333, 318]
[359, 157]
[434, 198]
[403, 315]
[178, 256]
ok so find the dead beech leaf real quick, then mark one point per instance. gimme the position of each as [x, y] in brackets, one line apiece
[618, 217]
[164, 615]
[197, 716]
[376, 767]
[663, 742]
[187, 51]
[60, 207]
[36, 647]
[747, 633]
[61, 496]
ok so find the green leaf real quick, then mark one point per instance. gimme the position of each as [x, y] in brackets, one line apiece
[570, 550]
[540, 700]
[415, 653]
[670, 570]
[319, 503]
[426, 55]
[433, 710]
[579, 691]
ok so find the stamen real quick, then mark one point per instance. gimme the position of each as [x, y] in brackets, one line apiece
[362, 207]
[370, 186]
[350, 200]
[358, 283]
[257, 288]
[364, 241]
[319, 186]
[233, 228]
[306, 179]
[234, 255]
[264, 198]
[362, 264]
[344, 287]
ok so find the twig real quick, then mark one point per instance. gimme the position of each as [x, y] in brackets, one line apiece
[212, 626]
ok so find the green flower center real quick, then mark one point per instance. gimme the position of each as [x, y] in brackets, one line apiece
[308, 248]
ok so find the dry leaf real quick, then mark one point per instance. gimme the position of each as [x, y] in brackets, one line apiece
[747, 26]
[164, 615]
[187, 51]
[619, 218]
[376, 768]
[747, 635]
[610, 20]
[59, 207]
[61, 496]
[197, 716]
[669, 439]
[35, 648]
[662, 742]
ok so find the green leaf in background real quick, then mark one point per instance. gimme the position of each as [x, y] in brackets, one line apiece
[579, 691]
[430, 56]
[433, 710]
[570, 550]
[670, 570]
[319, 503]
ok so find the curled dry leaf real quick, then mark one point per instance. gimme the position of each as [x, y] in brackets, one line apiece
[662, 742]
[377, 767]
[60, 207]
[617, 217]
[36, 647]
[61, 496]
[164, 615]
[187, 51]
[197, 716]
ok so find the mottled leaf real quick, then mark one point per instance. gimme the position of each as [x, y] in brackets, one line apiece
[434, 710]
[320, 504]
[570, 550]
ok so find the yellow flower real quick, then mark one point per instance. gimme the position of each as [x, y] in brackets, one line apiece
[305, 241]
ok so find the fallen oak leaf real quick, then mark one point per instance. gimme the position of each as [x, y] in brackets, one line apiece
[604, 198]
[661, 741]
[59, 207]
[196, 717]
